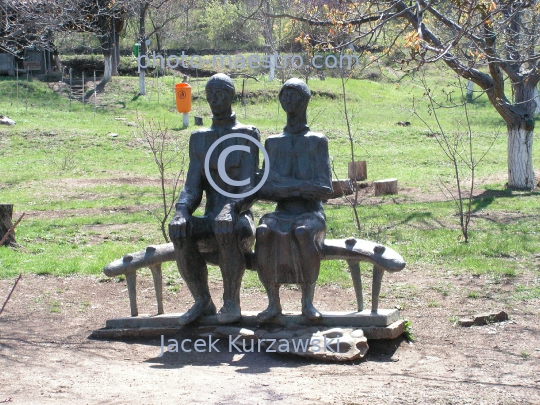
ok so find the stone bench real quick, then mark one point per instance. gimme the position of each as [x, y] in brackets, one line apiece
[352, 250]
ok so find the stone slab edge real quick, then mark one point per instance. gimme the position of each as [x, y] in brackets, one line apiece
[382, 318]
[371, 332]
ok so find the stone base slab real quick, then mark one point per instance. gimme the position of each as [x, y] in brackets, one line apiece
[392, 331]
[383, 317]
[385, 324]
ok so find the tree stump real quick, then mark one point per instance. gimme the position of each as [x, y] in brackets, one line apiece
[358, 170]
[386, 186]
[341, 188]
[6, 214]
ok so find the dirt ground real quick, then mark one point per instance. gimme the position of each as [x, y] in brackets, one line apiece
[46, 355]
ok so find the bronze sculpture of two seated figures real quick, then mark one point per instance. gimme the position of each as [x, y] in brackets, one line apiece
[289, 241]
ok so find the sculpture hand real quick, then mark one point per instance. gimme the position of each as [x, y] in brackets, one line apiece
[178, 226]
[314, 191]
[224, 222]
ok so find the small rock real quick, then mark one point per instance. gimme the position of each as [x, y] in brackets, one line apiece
[465, 322]
[334, 344]
[490, 318]
[6, 121]
[358, 333]
[484, 319]
[113, 134]
[131, 124]
[333, 333]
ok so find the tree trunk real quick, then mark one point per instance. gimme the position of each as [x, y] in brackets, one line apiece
[6, 214]
[520, 166]
[537, 100]
[358, 170]
[470, 89]
[114, 53]
[142, 48]
[520, 126]
[142, 83]
[387, 186]
[107, 73]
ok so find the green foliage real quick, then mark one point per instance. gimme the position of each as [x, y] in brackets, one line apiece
[88, 195]
[408, 334]
[473, 295]
[225, 28]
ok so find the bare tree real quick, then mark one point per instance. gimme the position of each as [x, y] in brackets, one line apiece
[168, 153]
[35, 22]
[27, 23]
[499, 36]
[494, 44]
[160, 13]
[459, 149]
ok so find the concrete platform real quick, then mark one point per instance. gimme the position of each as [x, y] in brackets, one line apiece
[383, 317]
[370, 332]
[385, 324]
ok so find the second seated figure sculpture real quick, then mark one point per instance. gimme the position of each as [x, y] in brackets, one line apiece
[289, 240]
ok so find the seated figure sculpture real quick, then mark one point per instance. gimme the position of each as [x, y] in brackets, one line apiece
[289, 240]
[226, 231]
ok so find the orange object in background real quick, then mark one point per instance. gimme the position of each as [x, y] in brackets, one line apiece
[183, 97]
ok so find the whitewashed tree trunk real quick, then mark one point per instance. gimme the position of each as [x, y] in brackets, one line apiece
[107, 73]
[537, 99]
[272, 69]
[142, 82]
[470, 88]
[520, 123]
[143, 48]
[520, 166]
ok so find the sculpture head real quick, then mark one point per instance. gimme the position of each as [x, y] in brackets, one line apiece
[294, 96]
[219, 94]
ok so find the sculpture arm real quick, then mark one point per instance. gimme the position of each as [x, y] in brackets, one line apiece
[277, 187]
[191, 195]
[278, 190]
[248, 169]
[321, 188]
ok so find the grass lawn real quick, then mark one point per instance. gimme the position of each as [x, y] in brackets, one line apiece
[90, 186]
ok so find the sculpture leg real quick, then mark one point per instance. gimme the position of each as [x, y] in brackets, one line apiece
[354, 267]
[193, 270]
[131, 281]
[158, 286]
[376, 288]
[308, 310]
[311, 264]
[262, 252]
[274, 304]
[232, 265]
